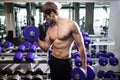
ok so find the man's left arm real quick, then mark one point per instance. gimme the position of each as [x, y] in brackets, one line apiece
[77, 36]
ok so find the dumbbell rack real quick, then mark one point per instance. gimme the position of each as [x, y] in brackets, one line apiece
[41, 59]
[99, 42]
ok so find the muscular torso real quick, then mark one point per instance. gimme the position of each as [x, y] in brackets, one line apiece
[62, 38]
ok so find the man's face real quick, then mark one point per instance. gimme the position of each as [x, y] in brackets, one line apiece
[50, 18]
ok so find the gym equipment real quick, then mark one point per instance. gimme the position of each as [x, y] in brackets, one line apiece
[8, 44]
[89, 61]
[10, 70]
[85, 34]
[74, 47]
[36, 44]
[29, 73]
[78, 61]
[101, 74]
[30, 57]
[32, 48]
[3, 73]
[21, 48]
[90, 73]
[80, 74]
[109, 54]
[99, 54]
[88, 54]
[113, 61]
[31, 33]
[47, 24]
[0, 49]
[27, 44]
[17, 74]
[18, 57]
[103, 61]
[87, 40]
[110, 74]
[75, 54]
[38, 74]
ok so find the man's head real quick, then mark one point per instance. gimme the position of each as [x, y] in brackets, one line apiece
[50, 11]
[49, 7]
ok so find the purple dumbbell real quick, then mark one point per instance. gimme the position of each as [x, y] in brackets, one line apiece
[8, 44]
[31, 33]
[79, 74]
[99, 54]
[89, 61]
[18, 57]
[113, 61]
[21, 48]
[103, 61]
[75, 54]
[30, 57]
[101, 74]
[27, 44]
[32, 48]
[78, 61]
[109, 54]
[0, 49]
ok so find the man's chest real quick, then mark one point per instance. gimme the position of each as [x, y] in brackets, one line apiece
[60, 33]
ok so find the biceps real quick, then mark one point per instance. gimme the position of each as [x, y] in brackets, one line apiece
[48, 40]
[78, 38]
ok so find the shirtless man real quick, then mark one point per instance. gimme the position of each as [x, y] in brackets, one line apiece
[61, 34]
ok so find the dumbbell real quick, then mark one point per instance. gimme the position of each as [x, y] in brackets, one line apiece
[47, 24]
[101, 74]
[36, 44]
[75, 54]
[3, 72]
[28, 74]
[17, 74]
[74, 47]
[109, 55]
[10, 70]
[78, 62]
[8, 44]
[27, 44]
[110, 74]
[85, 34]
[86, 41]
[30, 57]
[88, 54]
[112, 59]
[38, 74]
[79, 74]
[18, 57]
[32, 48]
[21, 48]
[31, 33]
[102, 59]
[0, 49]
[89, 61]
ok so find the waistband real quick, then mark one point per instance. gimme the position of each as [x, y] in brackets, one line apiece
[54, 58]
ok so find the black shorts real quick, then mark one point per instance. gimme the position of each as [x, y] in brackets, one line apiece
[60, 69]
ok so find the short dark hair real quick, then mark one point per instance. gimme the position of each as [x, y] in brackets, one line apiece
[49, 7]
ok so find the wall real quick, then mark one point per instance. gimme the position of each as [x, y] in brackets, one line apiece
[113, 31]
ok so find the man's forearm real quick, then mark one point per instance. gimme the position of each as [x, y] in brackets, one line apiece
[43, 45]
